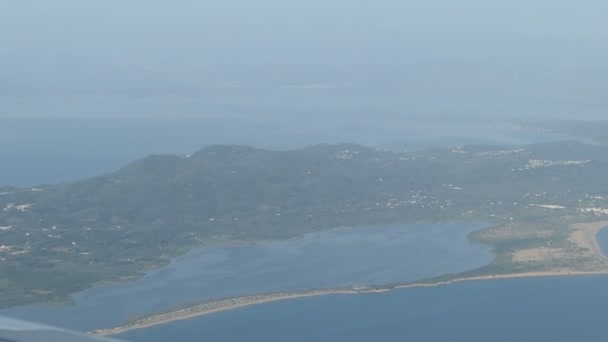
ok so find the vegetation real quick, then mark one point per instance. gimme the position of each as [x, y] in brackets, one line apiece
[58, 239]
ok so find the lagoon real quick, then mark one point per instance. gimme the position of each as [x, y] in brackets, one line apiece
[566, 308]
[335, 258]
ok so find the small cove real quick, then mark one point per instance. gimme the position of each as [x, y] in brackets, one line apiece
[602, 240]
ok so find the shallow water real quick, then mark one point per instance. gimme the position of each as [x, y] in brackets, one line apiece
[341, 257]
[602, 239]
[569, 308]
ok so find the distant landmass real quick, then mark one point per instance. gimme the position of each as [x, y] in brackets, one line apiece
[59, 239]
[593, 131]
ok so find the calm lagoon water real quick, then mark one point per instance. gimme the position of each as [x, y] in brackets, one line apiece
[571, 308]
[341, 257]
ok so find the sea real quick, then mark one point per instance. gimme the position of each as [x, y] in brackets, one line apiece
[55, 150]
[531, 309]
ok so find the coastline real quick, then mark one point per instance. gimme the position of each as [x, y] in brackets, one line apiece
[584, 235]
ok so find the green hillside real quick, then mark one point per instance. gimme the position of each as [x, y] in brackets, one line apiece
[58, 239]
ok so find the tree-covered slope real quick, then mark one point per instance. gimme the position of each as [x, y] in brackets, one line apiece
[58, 239]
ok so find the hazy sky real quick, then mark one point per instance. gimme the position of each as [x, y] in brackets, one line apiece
[330, 57]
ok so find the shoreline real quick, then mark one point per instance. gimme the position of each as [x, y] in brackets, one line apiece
[584, 235]
[588, 237]
[240, 302]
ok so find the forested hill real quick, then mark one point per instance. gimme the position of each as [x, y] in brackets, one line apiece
[58, 239]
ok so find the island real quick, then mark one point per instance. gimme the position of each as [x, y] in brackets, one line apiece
[544, 204]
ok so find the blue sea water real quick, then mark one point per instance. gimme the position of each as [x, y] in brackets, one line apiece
[571, 308]
[602, 239]
[527, 309]
[340, 257]
[44, 151]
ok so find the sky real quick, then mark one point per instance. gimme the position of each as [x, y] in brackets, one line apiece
[283, 74]
[336, 58]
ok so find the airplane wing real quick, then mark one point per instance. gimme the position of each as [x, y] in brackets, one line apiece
[12, 330]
